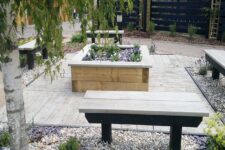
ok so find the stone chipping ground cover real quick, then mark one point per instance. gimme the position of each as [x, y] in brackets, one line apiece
[214, 90]
[49, 138]
[29, 75]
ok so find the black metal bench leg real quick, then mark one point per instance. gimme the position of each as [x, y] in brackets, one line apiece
[44, 53]
[175, 138]
[30, 60]
[106, 132]
[120, 40]
[93, 40]
[215, 73]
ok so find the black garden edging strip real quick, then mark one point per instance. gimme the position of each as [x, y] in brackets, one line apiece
[202, 91]
[34, 79]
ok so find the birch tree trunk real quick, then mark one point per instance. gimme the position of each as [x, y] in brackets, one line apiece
[12, 79]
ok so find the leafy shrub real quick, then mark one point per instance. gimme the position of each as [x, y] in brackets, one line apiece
[79, 38]
[130, 26]
[38, 59]
[111, 50]
[71, 144]
[115, 57]
[152, 48]
[216, 132]
[136, 46]
[151, 27]
[192, 30]
[209, 67]
[136, 54]
[223, 37]
[202, 70]
[23, 61]
[25, 40]
[4, 139]
[173, 28]
[95, 48]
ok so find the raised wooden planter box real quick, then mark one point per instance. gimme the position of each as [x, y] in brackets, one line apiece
[107, 75]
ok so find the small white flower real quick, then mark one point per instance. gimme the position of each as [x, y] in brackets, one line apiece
[38, 54]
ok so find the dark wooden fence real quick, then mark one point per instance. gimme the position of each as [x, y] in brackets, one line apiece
[222, 20]
[132, 17]
[182, 12]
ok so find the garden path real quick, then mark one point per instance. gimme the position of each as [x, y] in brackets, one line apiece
[55, 104]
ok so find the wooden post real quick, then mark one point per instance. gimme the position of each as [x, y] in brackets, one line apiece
[175, 137]
[140, 13]
[215, 73]
[106, 132]
[148, 16]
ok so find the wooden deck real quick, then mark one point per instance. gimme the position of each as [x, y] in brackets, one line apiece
[56, 104]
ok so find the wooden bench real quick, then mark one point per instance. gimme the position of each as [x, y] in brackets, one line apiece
[176, 110]
[30, 49]
[109, 33]
[217, 59]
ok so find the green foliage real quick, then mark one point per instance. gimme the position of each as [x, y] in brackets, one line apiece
[202, 70]
[223, 36]
[216, 132]
[24, 41]
[152, 48]
[151, 27]
[79, 38]
[115, 57]
[38, 59]
[46, 16]
[130, 26]
[136, 46]
[192, 30]
[136, 54]
[209, 67]
[4, 139]
[210, 12]
[173, 28]
[71, 144]
[23, 61]
[111, 50]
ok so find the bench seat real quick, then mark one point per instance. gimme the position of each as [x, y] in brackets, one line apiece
[103, 33]
[176, 110]
[217, 59]
[30, 49]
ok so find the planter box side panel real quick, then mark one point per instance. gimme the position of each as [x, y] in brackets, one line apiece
[116, 79]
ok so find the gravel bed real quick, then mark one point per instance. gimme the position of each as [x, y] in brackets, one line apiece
[49, 138]
[29, 76]
[214, 90]
[124, 55]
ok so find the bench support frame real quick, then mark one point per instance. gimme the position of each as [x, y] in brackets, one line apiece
[31, 55]
[175, 122]
[217, 69]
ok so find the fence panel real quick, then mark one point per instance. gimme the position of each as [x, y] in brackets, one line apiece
[182, 12]
[132, 17]
[222, 20]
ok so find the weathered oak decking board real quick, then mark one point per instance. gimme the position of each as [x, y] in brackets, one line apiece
[55, 103]
[96, 78]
